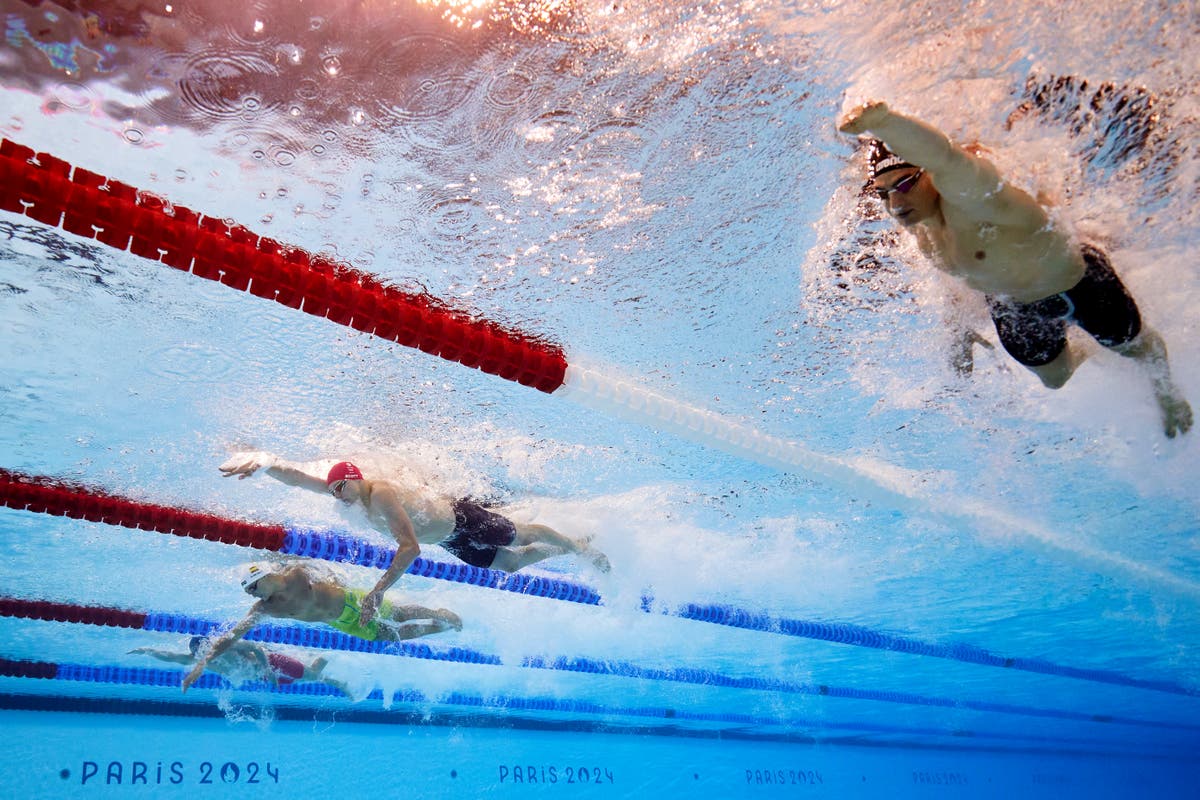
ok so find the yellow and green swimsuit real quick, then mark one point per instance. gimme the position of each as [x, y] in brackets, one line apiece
[348, 621]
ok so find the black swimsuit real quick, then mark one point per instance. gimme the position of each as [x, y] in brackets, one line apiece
[1035, 333]
[478, 534]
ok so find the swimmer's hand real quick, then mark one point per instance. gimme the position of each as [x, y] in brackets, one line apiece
[246, 463]
[191, 677]
[863, 118]
[370, 607]
[962, 357]
[1176, 413]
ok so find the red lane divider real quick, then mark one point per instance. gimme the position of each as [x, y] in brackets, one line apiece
[63, 612]
[49, 496]
[53, 192]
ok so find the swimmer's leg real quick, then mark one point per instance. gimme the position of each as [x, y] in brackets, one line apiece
[513, 558]
[434, 621]
[535, 543]
[1150, 351]
[1056, 373]
[314, 672]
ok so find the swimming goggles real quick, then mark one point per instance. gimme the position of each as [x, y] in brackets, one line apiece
[903, 186]
[336, 488]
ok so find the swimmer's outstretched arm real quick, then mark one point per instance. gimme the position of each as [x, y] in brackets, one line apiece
[246, 463]
[163, 655]
[915, 141]
[965, 181]
[223, 643]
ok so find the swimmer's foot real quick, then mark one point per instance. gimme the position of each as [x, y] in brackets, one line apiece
[448, 619]
[583, 547]
[598, 559]
[1175, 411]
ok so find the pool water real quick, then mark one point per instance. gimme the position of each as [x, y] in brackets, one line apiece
[947, 585]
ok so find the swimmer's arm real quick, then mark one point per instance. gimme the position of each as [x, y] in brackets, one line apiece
[963, 337]
[916, 142]
[246, 463]
[223, 643]
[163, 655]
[965, 181]
[387, 501]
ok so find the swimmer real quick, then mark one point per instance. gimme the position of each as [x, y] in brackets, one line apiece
[413, 515]
[291, 592]
[249, 661]
[998, 240]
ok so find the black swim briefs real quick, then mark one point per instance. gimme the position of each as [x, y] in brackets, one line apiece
[478, 533]
[1035, 333]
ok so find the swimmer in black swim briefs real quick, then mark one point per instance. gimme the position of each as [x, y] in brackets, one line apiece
[483, 538]
[414, 514]
[478, 534]
[1035, 333]
[988, 232]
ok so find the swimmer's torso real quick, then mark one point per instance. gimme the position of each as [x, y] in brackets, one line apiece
[1023, 263]
[432, 513]
[299, 597]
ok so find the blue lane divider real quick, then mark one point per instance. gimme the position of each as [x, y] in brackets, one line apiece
[858, 636]
[318, 638]
[745, 725]
[339, 547]
[172, 679]
[310, 543]
[328, 639]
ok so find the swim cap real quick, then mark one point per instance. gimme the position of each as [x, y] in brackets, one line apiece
[882, 160]
[256, 571]
[194, 643]
[343, 470]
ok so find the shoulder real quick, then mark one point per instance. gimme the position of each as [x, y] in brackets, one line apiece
[383, 492]
[974, 187]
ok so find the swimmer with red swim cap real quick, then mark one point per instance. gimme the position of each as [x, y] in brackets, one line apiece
[984, 230]
[342, 473]
[413, 513]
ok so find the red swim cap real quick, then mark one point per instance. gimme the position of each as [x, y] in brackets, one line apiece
[343, 470]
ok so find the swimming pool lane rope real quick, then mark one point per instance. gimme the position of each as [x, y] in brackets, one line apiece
[53, 192]
[168, 678]
[45, 495]
[325, 638]
[171, 679]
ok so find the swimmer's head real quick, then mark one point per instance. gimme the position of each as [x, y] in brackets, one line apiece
[194, 643]
[253, 574]
[881, 160]
[906, 192]
[342, 472]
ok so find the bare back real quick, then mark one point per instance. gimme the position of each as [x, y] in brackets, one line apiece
[299, 597]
